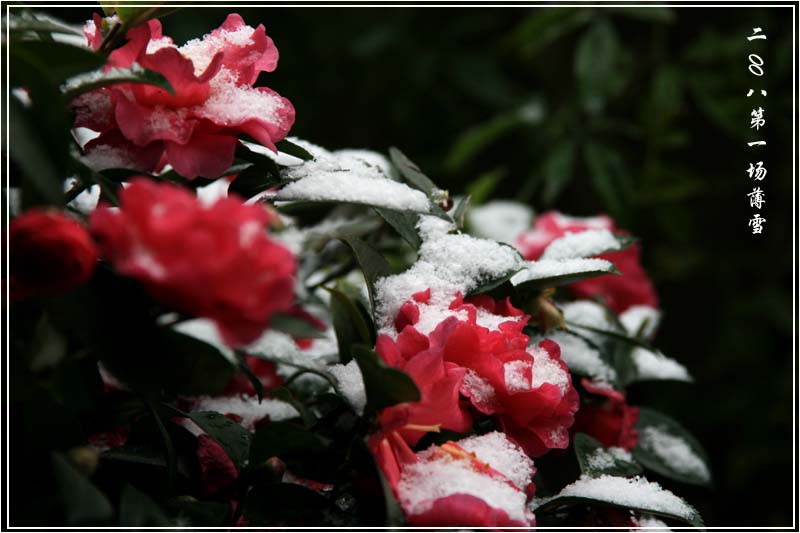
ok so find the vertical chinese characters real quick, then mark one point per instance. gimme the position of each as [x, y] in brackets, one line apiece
[757, 171]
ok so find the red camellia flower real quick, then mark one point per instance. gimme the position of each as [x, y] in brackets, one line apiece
[479, 481]
[633, 287]
[480, 342]
[142, 126]
[51, 253]
[610, 420]
[211, 261]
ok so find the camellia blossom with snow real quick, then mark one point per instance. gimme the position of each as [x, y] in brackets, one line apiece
[312, 337]
[195, 129]
[632, 287]
[215, 262]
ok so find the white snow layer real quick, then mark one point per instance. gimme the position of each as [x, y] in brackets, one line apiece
[582, 245]
[581, 357]
[652, 365]
[548, 268]
[503, 455]
[641, 317]
[438, 474]
[674, 451]
[447, 264]
[500, 220]
[589, 314]
[350, 384]
[636, 493]
[248, 408]
[603, 458]
[353, 176]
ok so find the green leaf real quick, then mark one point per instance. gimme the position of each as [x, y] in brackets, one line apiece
[481, 189]
[477, 139]
[665, 447]
[557, 171]
[492, 284]
[595, 62]
[262, 162]
[295, 327]
[94, 80]
[279, 439]
[26, 22]
[610, 178]
[404, 223]
[557, 504]
[659, 14]
[372, 263]
[137, 454]
[83, 502]
[137, 509]
[58, 61]
[251, 181]
[283, 503]
[411, 172]
[596, 460]
[296, 150]
[385, 386]
[349, 324]
[195, 367]
[461, 211]
[258, 386]
[563, 279]
[34, 155]
[546, 25]
[233, 438]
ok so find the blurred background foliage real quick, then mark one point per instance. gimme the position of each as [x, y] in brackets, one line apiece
[637, 112]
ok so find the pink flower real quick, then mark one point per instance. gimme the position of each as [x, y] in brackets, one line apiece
[610, 419]
[633, 287]
[479, 481]
[528, 389]
[51, 253]
[208, 261]
[195, 130]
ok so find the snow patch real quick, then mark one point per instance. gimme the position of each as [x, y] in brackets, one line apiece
[350, 384]
[582, 245]
[627, 492]
[248, 408]
[656, 366]
[500, 220]
[674, 451]
[548, 268]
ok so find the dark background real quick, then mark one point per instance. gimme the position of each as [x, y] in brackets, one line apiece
[637, 112]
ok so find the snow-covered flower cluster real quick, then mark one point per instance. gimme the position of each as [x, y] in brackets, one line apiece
[252, 368]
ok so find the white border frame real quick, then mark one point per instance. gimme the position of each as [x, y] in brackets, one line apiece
[302, 4]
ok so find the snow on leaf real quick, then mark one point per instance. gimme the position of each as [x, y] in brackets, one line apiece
[628, 493]
[557, 272]
[585, 244]
[652, 365]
